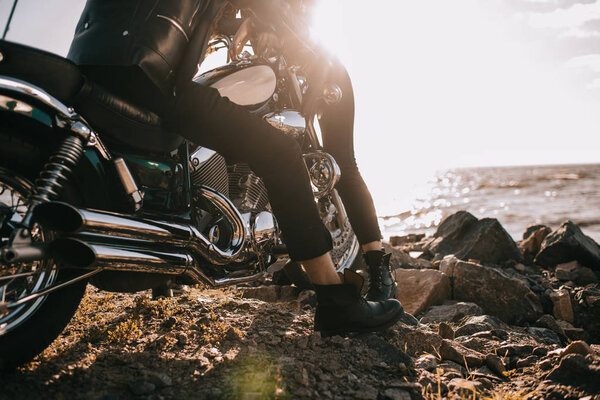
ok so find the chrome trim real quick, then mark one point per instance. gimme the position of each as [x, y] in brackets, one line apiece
[66, 218]
[332, 94]
[77, 253]
[175, 24]
[131, 188]
[65, 118]
[22, 87]
[291, 122]
[324, 172]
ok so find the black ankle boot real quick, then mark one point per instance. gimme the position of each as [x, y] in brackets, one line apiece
[382, 284]
[341, 310]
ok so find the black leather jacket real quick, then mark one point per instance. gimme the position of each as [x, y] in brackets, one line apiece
[165, 38]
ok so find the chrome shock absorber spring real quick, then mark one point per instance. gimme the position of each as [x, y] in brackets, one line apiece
[55, 173]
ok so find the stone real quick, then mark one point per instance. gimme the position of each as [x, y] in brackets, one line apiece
[416, 342]
[467, 238]
[182, 338]
[265, 293]
[532, 243]
[287, 293]
[141, 387]
[531, 229]
[585, 276]
[574, 271]
[568, 243]
[427, 362]
[518, 350]
[567, 271]
[578, 347]
[546, 364]
[481, 323]
[387, 352]
[498, 294]
[495, 364]
[540, 351]
[401, 259]
[308, 297]
[421, 289]
[450, 350]
[543, 335]
[548, 321]
[573, 369]
[410, 238]
[450, 311]
[446, 331]
[526, 362]
[561, 305]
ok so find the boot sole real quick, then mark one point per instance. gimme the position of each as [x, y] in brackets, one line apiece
[356, 332]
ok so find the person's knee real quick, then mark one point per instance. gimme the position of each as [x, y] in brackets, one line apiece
[280, 153]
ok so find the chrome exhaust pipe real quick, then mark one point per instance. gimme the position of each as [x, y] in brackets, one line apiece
[65, 218]
[84, 254]
[77, 253]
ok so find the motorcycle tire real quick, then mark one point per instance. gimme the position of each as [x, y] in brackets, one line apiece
[26, 331]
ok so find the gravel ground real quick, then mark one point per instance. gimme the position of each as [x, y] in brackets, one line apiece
[212, 344]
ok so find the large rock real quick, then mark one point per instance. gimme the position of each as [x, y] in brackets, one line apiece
[568, 243]
[420, 289]
[507, 298]
[451, 311]
[468, 238]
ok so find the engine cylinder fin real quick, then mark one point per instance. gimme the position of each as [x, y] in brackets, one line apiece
[212, 172]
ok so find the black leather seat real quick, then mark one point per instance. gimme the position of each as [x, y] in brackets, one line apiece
[118, 122]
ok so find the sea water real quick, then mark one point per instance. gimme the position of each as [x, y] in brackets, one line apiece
[516, 196]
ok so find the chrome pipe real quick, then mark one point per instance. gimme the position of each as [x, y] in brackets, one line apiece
[65, 218]
[83, 254]
[77, 253]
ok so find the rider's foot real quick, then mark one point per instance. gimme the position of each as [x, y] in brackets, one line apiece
[382, 285]
[341, 310]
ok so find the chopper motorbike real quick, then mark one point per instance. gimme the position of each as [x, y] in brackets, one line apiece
[95, 190]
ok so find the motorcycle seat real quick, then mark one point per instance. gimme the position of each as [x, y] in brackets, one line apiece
[119, 122]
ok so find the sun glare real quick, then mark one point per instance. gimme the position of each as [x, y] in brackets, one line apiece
[327, 26]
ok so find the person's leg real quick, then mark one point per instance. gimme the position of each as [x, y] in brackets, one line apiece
[277, 158]
[337, 127]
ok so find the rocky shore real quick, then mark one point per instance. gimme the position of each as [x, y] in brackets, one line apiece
[493, 319]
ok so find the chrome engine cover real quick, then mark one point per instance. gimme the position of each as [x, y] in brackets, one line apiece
[208, 168]
[246, 191]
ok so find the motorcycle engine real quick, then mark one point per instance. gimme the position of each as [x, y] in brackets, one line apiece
[245, 190]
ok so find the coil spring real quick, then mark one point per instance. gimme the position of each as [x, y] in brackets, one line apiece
[57, 170]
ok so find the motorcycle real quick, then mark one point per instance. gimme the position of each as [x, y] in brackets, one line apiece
[130, 214]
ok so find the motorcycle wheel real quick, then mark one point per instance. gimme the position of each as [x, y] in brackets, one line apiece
[345, 244]
[28, 328]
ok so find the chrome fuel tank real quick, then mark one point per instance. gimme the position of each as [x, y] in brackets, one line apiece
[244, 84]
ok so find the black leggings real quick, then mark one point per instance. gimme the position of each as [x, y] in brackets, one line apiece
[337, 129]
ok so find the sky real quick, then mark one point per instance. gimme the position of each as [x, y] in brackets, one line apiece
[438, 84]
